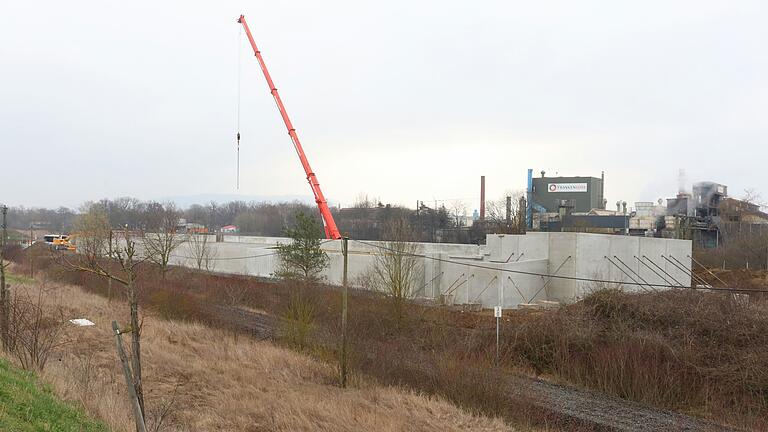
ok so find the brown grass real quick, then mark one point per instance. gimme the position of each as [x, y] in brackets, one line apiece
[702, 353]
[698, 352]
[438, 351]
[216, 381]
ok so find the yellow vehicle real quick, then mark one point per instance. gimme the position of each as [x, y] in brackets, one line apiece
[59, 242]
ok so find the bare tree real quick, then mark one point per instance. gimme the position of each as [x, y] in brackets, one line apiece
[496, 213]
[200, 249]
[98, 248]
[362, 200]
[458, 212]
[496, 210]
[162, 238]
[36, 328]
[396, 267]
[752, 196]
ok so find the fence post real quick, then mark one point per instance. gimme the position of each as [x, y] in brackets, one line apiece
[137, 415]
[4, 295]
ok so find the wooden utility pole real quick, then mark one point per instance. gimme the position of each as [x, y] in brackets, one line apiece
[497, 312]
[29, 252]
[344, 296]
[109, 279]
[140, 426]
[4, 297]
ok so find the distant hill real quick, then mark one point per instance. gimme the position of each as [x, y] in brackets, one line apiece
[186, 201]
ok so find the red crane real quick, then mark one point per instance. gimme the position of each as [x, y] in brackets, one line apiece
[331, 231]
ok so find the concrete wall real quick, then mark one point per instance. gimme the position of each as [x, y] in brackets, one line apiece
[508, 270]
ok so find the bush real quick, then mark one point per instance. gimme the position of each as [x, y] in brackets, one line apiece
[705, 353]
[36, 328]
[299, 317]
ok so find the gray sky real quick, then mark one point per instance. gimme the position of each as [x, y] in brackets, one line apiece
[400, 99]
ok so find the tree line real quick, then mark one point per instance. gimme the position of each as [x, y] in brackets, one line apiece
[251, 218]
[366, 219]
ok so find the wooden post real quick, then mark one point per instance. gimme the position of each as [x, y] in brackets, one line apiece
[140, 427]
[109, 279]
[345, 294]
[4, 295]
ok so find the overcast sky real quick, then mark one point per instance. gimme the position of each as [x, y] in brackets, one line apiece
[403, 100]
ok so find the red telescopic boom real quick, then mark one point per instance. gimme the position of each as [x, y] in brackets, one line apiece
[331, 231]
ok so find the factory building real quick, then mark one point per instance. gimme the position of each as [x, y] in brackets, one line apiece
[579, 194]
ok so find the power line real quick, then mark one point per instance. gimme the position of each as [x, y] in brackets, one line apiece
[226, 258]
[240, 257]
[553, 276]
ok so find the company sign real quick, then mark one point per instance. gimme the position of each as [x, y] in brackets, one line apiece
[567, 187]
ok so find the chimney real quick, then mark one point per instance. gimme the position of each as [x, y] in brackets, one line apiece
[601, 198]
[509, 210]
[482, 198]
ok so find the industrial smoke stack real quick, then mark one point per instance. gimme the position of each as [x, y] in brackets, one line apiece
[482, 198]
[601, 201]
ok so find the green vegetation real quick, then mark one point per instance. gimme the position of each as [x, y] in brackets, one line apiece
[302, 258]
[26, 405]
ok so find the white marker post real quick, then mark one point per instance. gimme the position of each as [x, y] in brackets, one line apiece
[497, 314]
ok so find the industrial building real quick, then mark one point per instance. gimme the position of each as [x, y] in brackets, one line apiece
[580, 194]
[707, 215]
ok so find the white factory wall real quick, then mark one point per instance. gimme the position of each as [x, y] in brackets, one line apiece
[506, 271]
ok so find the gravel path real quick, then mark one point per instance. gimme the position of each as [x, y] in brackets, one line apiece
[602, 411]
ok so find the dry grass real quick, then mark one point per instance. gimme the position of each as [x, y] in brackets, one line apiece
[213, 380]
[697, 352]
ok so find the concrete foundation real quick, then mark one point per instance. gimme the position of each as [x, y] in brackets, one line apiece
[510, 270]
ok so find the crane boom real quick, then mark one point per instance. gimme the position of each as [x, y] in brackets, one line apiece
[331, 231]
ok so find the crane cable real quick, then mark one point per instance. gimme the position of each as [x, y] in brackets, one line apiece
[239, 73]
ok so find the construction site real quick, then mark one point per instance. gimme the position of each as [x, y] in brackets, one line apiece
[509, 270]
[549, 307]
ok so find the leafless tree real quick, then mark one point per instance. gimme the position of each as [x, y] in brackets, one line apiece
[396, 268]
[200, 249]
[98, 248]
[234, 294]
[458, 212]
[496, 210]
[36, 328]
[752, 196]
[162, 238]
[162, 417]
[362, 200]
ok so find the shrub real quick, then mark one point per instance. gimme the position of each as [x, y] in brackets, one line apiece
[299, 317]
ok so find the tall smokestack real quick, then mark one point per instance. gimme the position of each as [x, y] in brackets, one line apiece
[482, 198]
[601, 198]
